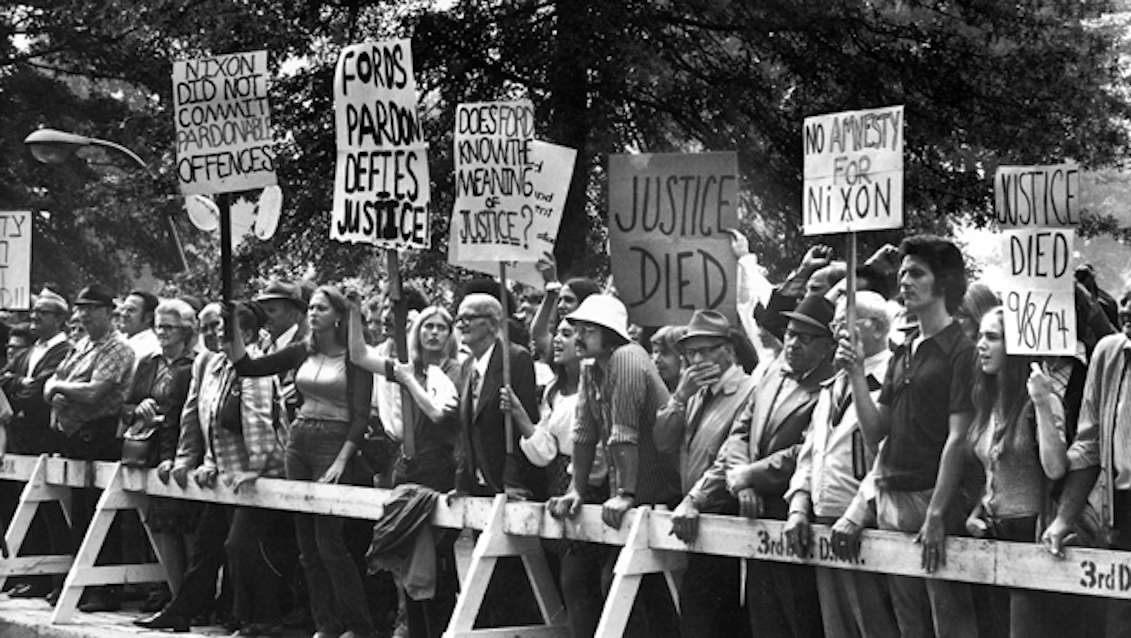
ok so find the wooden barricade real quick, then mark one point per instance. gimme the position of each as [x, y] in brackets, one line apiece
[37, 492]
[515, 529]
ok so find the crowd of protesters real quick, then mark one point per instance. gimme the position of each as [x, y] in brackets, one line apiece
[903, 412]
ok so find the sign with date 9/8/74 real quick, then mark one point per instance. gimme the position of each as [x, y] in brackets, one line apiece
[1039, 302]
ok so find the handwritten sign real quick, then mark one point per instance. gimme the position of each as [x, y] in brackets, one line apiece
[15, 260]
[667, 219]
[853, 171]
[550, 179]
[1039, 301]
[1037, 196]
[223, 124]
[494, 212]
[381, 184]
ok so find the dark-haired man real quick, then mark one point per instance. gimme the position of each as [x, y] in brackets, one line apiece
[924, 410]
[135, 316]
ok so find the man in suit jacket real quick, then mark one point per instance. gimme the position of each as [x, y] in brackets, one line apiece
[758, 460]
[29, 431]
[485, 467]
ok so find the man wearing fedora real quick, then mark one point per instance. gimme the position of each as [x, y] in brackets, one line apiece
[712, 392]
[619, 396]
[758, 460]
[86, 396]
[29, 431]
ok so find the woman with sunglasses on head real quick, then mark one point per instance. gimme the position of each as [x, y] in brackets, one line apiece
[1018, 436]
[322, 446]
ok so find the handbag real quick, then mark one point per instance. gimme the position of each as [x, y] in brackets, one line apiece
[138, 444]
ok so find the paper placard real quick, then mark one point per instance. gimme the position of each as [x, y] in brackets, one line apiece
[15, 260]
[670, 252]
[550, 180]
[1037, 196]
[1039, 298]
[223, 124]
[381, 181]
[853, 171]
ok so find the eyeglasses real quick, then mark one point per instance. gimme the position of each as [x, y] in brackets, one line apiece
[805, 338]
[165, 327]
[469, 317]
[705, 351]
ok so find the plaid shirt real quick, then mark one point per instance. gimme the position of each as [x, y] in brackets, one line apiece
[203, 442]
[107, 359]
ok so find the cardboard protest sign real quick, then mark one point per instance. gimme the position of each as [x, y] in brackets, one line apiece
[223, 124]
[15, 260]
[853, 171]
[381, 184]
[1037, 196]
[1039, 300]
[494, 213]
[669, 249]
[550, 179]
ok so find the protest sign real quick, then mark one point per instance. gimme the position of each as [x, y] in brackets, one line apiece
[494, 214]
[670, 252]
[1039, 299]
[381, 184]
[853, 171]
[1037, 196]
[15, 260]
[223, 124]
[550, 179]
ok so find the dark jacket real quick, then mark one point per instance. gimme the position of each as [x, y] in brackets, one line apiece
[169, 405]
[31, 411]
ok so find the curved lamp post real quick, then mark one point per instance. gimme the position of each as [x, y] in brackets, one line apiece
[50, 146]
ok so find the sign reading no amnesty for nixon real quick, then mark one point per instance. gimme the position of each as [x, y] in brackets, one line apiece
[853, 171]
[223, 124]
[1038, 206]
[381, 185]
[670, 252]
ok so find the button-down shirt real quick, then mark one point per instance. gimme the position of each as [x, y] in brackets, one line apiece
[40, 348]
[108, 359]
[834, 457]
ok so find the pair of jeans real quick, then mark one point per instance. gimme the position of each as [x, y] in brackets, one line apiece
[925, 607]
[337, 598]
[256, 587]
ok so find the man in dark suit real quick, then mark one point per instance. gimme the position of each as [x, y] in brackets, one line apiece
[29, 431]
[758, 460]
[485, 466]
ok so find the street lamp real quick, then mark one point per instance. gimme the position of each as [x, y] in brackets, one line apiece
[50, 146]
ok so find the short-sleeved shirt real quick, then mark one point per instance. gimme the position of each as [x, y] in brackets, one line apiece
[922, 389]
[109, 358]
[619, 408]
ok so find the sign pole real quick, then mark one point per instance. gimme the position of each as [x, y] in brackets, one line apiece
[400, 339]
[506, 333]
[850, 289]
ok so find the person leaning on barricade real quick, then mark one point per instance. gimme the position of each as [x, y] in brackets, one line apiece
[29, 431]
[323, 445]
[924, 411]
[712, 392]
[835, 457]
[86, 395]
[620, 394]
[228, 438]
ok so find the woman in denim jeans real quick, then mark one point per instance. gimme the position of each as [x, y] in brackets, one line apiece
[323, 443]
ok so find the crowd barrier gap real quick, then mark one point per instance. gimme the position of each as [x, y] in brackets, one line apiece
[515, 529]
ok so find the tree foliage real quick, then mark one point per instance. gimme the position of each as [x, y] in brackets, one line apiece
[983, 84]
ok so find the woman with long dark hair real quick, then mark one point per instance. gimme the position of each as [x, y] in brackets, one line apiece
[323, 444]
[1018, 436]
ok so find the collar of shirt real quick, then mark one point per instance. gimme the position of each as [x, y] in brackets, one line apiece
[483, 361]
[946, 339]
[728, 381]
[59, 337]
[280, 342]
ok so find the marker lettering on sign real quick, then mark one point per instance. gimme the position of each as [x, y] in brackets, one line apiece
[677, 205]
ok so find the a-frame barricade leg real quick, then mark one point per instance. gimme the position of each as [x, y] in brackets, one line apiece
[636, 559]
[36, 493]
[494, 543]
[125, 492]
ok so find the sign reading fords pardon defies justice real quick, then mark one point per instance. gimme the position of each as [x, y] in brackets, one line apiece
[668, 214]
[381, 185]
[223, 124]
[853, 171]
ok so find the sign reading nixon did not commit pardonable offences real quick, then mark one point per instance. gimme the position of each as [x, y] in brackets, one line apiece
[381, 185]
[1039, 207]
[223, 124]
[670, 252]
[494, 217]
[853, 171]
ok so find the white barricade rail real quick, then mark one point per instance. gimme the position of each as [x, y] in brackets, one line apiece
[514, 529]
